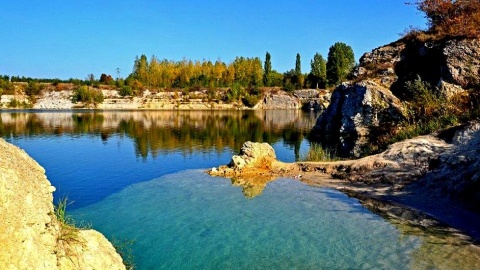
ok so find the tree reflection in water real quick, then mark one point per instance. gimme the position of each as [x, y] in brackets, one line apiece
[159, 132]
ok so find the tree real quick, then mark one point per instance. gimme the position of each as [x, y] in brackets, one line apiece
[318, 70]
[106, 79]
[91, 78]
[294, 76]
[140, 69]
[267, 69]
[340, 63]
[298, 65]
[118, 73]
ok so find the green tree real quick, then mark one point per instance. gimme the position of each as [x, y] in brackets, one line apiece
[318, 70]
[298, 78]
[267, 69]
[298, 65]
[140, 69]
[88, 96]
[340, 63]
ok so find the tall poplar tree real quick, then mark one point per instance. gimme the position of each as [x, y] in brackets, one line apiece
[298, 65]
[267, 69]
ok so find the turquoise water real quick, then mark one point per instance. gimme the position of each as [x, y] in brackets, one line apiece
[190, 220]
[139, 176]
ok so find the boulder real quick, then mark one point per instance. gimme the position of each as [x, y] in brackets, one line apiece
[354, 109]
[31, 236]
[253, 155]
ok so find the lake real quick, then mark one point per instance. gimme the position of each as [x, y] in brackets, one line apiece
[138, 177]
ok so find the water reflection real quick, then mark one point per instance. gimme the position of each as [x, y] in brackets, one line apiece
[160, 132]
[253, 186]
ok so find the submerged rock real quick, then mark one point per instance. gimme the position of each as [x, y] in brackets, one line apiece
[31, 236]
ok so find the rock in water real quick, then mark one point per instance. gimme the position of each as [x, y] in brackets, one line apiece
[253, 155]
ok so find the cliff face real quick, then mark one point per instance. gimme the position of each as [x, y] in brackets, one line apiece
[375, 99]
[271, 100]
[31, 236]
[454, 61]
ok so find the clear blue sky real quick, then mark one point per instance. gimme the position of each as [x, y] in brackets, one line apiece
[70, 39]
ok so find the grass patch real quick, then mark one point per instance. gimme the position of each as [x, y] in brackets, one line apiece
[318, 153]
[68, 236]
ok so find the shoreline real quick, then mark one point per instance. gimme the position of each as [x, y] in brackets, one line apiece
[399, 178]
[415, 209]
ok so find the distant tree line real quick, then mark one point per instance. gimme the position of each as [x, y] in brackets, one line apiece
[243, 74]
[243, 71]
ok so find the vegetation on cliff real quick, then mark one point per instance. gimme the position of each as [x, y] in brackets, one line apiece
[448, 19]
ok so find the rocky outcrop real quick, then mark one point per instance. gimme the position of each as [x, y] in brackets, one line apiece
[454, 61]
[355, 109]
[375, 100]
[279, 100]
[198, 100]
[31, 236]
[456, 173]
[55, 100]
[462, 62]
[379, 64]
[400, 164]
[255, 159]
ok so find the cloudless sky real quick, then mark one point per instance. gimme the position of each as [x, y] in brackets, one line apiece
[70, 39]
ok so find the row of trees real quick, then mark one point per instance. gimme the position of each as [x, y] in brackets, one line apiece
[243, 71]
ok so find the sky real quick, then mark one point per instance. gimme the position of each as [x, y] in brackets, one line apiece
[71, 39]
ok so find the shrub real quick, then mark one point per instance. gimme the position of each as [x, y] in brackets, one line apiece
[234, 93]
[125, 91]
[87, 95]
[6, 87]
[14, 103]
[33, 88]
[448, 18]
[250, 100]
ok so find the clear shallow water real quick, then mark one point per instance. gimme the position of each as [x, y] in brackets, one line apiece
[130, 176]
[189, 220]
